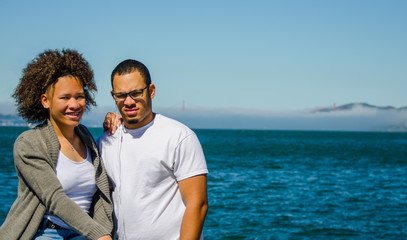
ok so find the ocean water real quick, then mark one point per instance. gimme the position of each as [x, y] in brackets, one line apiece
[288, 184]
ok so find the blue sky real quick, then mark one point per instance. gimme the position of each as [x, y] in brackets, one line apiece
[265, 55]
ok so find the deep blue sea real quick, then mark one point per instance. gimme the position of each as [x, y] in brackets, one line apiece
[288, 184]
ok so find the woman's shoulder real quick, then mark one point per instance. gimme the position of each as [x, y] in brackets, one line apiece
[28, 141]
[30, 134]
[86, 136]
[36, 135]
[84, 132]
[83, 128]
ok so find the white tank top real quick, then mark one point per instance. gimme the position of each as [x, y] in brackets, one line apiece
[78, 181]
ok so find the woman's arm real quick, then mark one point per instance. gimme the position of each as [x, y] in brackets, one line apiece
[34, 166]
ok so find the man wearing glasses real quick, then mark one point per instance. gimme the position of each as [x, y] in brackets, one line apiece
[156, 164]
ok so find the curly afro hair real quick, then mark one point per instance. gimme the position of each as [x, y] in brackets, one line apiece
[43, 72]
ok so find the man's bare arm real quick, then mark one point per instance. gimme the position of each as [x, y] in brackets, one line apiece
[194, 193]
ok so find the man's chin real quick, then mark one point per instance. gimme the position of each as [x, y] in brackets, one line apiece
[133, 121]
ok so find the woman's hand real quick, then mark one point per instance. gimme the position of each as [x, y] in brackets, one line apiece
[106, 237]
[112, 121]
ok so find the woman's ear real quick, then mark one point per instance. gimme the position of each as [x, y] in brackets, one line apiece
[45, 101]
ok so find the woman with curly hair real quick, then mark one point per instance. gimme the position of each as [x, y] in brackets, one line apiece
[63, 190]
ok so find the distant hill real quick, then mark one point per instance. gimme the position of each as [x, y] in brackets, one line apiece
[351, 106]
[11, 120]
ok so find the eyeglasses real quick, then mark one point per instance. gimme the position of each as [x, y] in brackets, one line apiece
[120, 97]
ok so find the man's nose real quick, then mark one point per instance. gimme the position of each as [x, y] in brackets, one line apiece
[128, 100]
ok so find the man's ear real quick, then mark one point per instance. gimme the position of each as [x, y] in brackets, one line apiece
[111, 93]
[45, 101]
[151, 90]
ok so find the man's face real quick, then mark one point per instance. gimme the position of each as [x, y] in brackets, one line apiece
[135, 112]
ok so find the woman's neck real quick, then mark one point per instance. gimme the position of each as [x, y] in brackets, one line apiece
[63, 131]
[70, 143]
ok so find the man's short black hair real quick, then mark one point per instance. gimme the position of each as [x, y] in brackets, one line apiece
[129, 66]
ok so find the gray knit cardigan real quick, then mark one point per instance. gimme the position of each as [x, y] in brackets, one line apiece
[39, 191]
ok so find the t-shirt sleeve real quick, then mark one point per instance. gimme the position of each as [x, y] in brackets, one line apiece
[189, 158]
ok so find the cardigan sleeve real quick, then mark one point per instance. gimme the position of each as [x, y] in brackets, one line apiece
[34, 166]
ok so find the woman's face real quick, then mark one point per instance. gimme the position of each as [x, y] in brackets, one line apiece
[65, 101]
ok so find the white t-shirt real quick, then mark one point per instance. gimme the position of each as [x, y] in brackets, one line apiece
[144, 166]
[78, 181]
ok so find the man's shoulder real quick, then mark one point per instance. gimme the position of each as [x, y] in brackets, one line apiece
[169, 128]
[105, 138]
[165, 121]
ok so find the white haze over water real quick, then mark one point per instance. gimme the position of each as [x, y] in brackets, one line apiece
[358, 118]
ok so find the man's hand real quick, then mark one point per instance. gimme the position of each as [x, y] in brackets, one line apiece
[112, 121]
